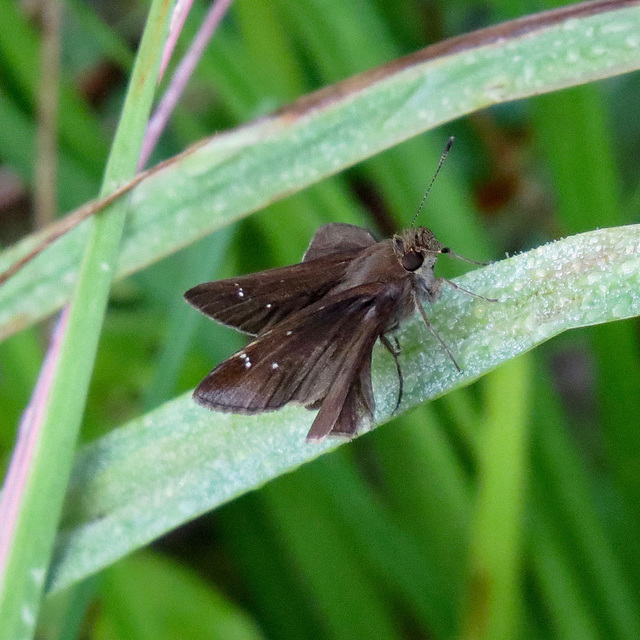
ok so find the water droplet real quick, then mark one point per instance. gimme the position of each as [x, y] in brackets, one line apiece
[531, 323]
[571, 24]
[37, 575]
[632, 41]
[627, 268]
[27, 615]
[540, 274]
[572, 56]
[614, 27]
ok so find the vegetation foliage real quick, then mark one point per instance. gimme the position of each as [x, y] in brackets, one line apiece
[503, 508]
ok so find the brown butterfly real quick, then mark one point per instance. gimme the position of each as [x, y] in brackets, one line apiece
[315, 324]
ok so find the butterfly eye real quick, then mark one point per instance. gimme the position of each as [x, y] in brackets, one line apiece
[445, 250]
[412, 260]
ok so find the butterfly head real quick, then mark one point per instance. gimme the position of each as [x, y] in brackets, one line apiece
[417, 250]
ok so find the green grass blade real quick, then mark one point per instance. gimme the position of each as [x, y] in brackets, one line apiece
[495, 595]
[425, 483]
[48, 453]
[578, 142]
[149, 597]
[279, 604]
[241, 171]
[571, 616]
[352, 605]
[401, 562]
[179, 461]
[590, 555]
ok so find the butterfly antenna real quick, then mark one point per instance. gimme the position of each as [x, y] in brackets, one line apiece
[442, 159]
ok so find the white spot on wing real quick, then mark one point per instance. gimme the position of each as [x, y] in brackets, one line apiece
[289, 333]
[274, 365]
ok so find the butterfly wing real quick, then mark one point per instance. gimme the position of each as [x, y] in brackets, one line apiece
[313, 357]
[349, 402]
[336, 237]
[259, 301]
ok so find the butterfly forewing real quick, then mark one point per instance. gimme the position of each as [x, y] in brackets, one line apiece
[258, 301]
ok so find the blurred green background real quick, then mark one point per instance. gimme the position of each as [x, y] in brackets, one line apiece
[395, 535]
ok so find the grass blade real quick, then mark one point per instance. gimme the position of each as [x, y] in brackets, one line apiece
[45, 452]
[233, 174]
[179, 461]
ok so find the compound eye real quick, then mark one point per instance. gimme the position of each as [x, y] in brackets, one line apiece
[445, 250]
[412, 260]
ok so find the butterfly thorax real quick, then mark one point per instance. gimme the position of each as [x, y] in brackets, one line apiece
[405, 263]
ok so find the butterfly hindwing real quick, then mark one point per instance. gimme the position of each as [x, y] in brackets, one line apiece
[337, 237]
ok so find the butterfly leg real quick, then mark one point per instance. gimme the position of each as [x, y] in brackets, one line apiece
[433, 331]
[395, 352]
[453, 285]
